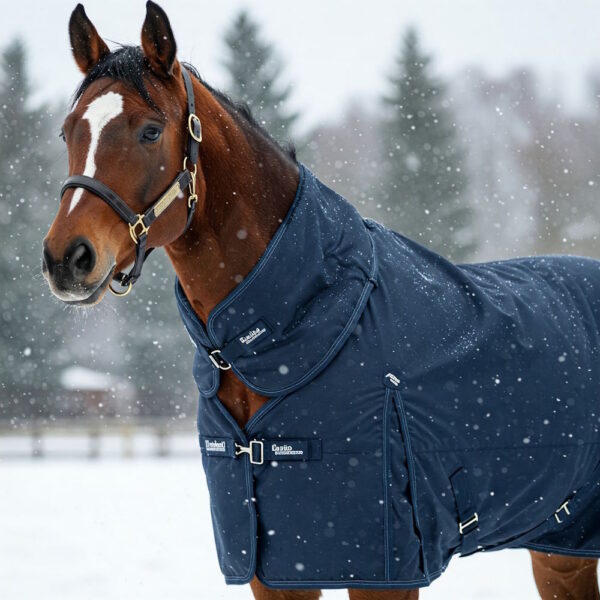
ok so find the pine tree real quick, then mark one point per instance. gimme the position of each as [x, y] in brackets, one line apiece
[424, 181]
[254, 71]
[30, 338]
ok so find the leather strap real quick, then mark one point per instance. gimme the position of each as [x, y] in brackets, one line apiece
[193, 146]
[102, 191]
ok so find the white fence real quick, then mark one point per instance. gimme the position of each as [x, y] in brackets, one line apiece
[98, 437]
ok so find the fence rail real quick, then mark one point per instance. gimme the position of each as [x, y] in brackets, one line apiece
[37, 438]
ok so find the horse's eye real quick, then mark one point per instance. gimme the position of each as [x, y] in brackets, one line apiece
[61, 135]
[151, 134]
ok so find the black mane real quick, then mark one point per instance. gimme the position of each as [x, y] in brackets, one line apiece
[128, 64]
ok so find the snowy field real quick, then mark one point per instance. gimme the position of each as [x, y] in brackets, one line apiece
[111, 529]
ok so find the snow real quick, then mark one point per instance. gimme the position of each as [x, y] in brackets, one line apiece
[140, 528]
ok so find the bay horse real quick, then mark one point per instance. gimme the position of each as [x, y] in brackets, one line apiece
[131, 129]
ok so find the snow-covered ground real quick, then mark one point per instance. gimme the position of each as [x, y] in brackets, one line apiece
[73, 529]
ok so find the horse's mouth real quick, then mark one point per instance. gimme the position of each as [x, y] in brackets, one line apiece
[96, 295]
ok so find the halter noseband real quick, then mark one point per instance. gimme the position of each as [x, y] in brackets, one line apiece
[139, 224]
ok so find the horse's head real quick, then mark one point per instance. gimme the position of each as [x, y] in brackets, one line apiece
[128, 130]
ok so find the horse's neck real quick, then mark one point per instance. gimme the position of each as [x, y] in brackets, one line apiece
[249, 187]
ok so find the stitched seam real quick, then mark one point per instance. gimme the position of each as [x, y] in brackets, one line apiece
[326, 357]
[249, 491]
[263, 411]
[386, 507]
[492, 448]
[352, 582]
[253, 518]
[560, 550]
[412, 477]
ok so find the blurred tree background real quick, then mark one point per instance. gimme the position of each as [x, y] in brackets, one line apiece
[254, 70]
[422, 158]
[475, 167]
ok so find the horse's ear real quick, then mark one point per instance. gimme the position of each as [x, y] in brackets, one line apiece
[158, 41]
[87, 46]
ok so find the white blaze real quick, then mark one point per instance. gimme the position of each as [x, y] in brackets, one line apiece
[99, 112]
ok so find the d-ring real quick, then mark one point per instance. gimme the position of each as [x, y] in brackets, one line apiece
[120, 294]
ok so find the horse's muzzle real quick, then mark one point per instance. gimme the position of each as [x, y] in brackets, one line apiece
[67, 276]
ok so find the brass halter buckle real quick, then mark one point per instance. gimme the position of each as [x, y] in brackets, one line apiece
[135, 235]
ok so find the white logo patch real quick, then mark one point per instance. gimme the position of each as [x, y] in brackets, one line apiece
[214, 446]
[99, 112]
[252, 335]
[285, 450]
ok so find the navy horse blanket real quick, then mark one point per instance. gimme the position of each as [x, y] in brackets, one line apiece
[416, 409]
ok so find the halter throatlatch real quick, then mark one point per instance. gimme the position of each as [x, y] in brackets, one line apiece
[139, 224]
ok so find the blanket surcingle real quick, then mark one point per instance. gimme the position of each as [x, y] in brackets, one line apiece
[416, 409]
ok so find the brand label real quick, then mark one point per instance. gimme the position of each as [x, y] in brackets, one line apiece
[258, 330]
[215, 446]
[286, 450]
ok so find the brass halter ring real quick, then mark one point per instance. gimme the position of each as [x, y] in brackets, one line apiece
[192, 119]
[120, 294]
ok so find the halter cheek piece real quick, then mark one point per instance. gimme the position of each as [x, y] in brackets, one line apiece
[139, 224]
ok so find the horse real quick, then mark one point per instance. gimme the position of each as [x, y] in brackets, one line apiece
[143, 122]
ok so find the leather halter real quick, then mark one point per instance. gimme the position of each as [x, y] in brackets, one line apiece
[139, 224]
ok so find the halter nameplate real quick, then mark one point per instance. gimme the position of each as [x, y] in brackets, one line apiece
[166, 200]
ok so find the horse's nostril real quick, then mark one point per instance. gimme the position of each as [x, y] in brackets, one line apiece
[47, 260]
[81, 260]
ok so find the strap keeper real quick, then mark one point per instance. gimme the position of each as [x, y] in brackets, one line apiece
[564, 506]
[463, 526]
[218, 361]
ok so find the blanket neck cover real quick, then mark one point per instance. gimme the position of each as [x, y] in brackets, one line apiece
[417, 409]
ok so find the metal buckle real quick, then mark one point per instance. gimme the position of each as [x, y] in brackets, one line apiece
[564, 506]
[249, 450]
[472, 521]
[218, 361]
[132, 229]
[192, 119]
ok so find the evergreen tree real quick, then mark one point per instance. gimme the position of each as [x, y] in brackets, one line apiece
[424, 181]
[30, 338]
[254, 71]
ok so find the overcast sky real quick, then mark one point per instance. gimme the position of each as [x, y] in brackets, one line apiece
[335, 50]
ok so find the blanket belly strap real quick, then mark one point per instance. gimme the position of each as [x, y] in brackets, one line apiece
[259, 451]
[468, 525]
